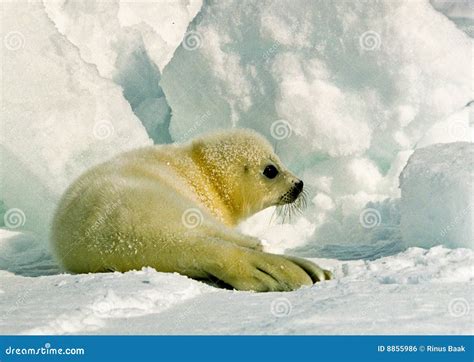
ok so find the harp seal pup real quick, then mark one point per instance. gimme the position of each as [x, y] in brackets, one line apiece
[174, 208]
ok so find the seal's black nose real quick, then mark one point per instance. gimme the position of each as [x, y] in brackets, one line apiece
[299, 185]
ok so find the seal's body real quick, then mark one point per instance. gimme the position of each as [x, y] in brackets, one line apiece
[173, 208]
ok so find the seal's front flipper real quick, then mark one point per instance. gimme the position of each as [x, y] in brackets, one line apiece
[316, 273]
[238, 239]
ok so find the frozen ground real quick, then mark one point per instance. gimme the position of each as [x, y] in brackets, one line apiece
[415, 292]
[358, 98]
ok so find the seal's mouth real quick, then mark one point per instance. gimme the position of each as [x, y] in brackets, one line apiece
[292, 202]
[292, 194]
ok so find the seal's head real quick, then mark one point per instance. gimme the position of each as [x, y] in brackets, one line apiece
[247, 174]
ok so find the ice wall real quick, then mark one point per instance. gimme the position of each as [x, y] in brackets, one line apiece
[130, 43]
[59, 116]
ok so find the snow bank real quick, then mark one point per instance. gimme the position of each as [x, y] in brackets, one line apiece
[359, 72]
[437, 196]
[59, 118]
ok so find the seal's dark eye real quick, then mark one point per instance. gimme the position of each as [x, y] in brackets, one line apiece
[270, 171]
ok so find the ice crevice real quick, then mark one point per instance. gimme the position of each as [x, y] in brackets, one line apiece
[139, 78]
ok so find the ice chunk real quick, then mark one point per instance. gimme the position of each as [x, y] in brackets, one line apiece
[437, 196]
[458, 127]
[461, 12]
[162, 24]
[59, 118]
[97, 27]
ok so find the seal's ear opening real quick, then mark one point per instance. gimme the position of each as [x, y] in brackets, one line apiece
[197, 144]
[197, 148]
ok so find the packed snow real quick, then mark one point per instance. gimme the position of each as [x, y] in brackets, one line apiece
[417, 291]
[367, 102]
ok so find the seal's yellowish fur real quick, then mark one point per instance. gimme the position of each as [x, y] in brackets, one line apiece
[133, 211]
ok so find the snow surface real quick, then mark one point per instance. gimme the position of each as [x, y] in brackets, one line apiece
[415, 292]
[348, 92]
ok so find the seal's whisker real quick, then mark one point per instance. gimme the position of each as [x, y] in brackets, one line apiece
[286, 212]
[275, 214]
[282, 213]
[304, 197]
